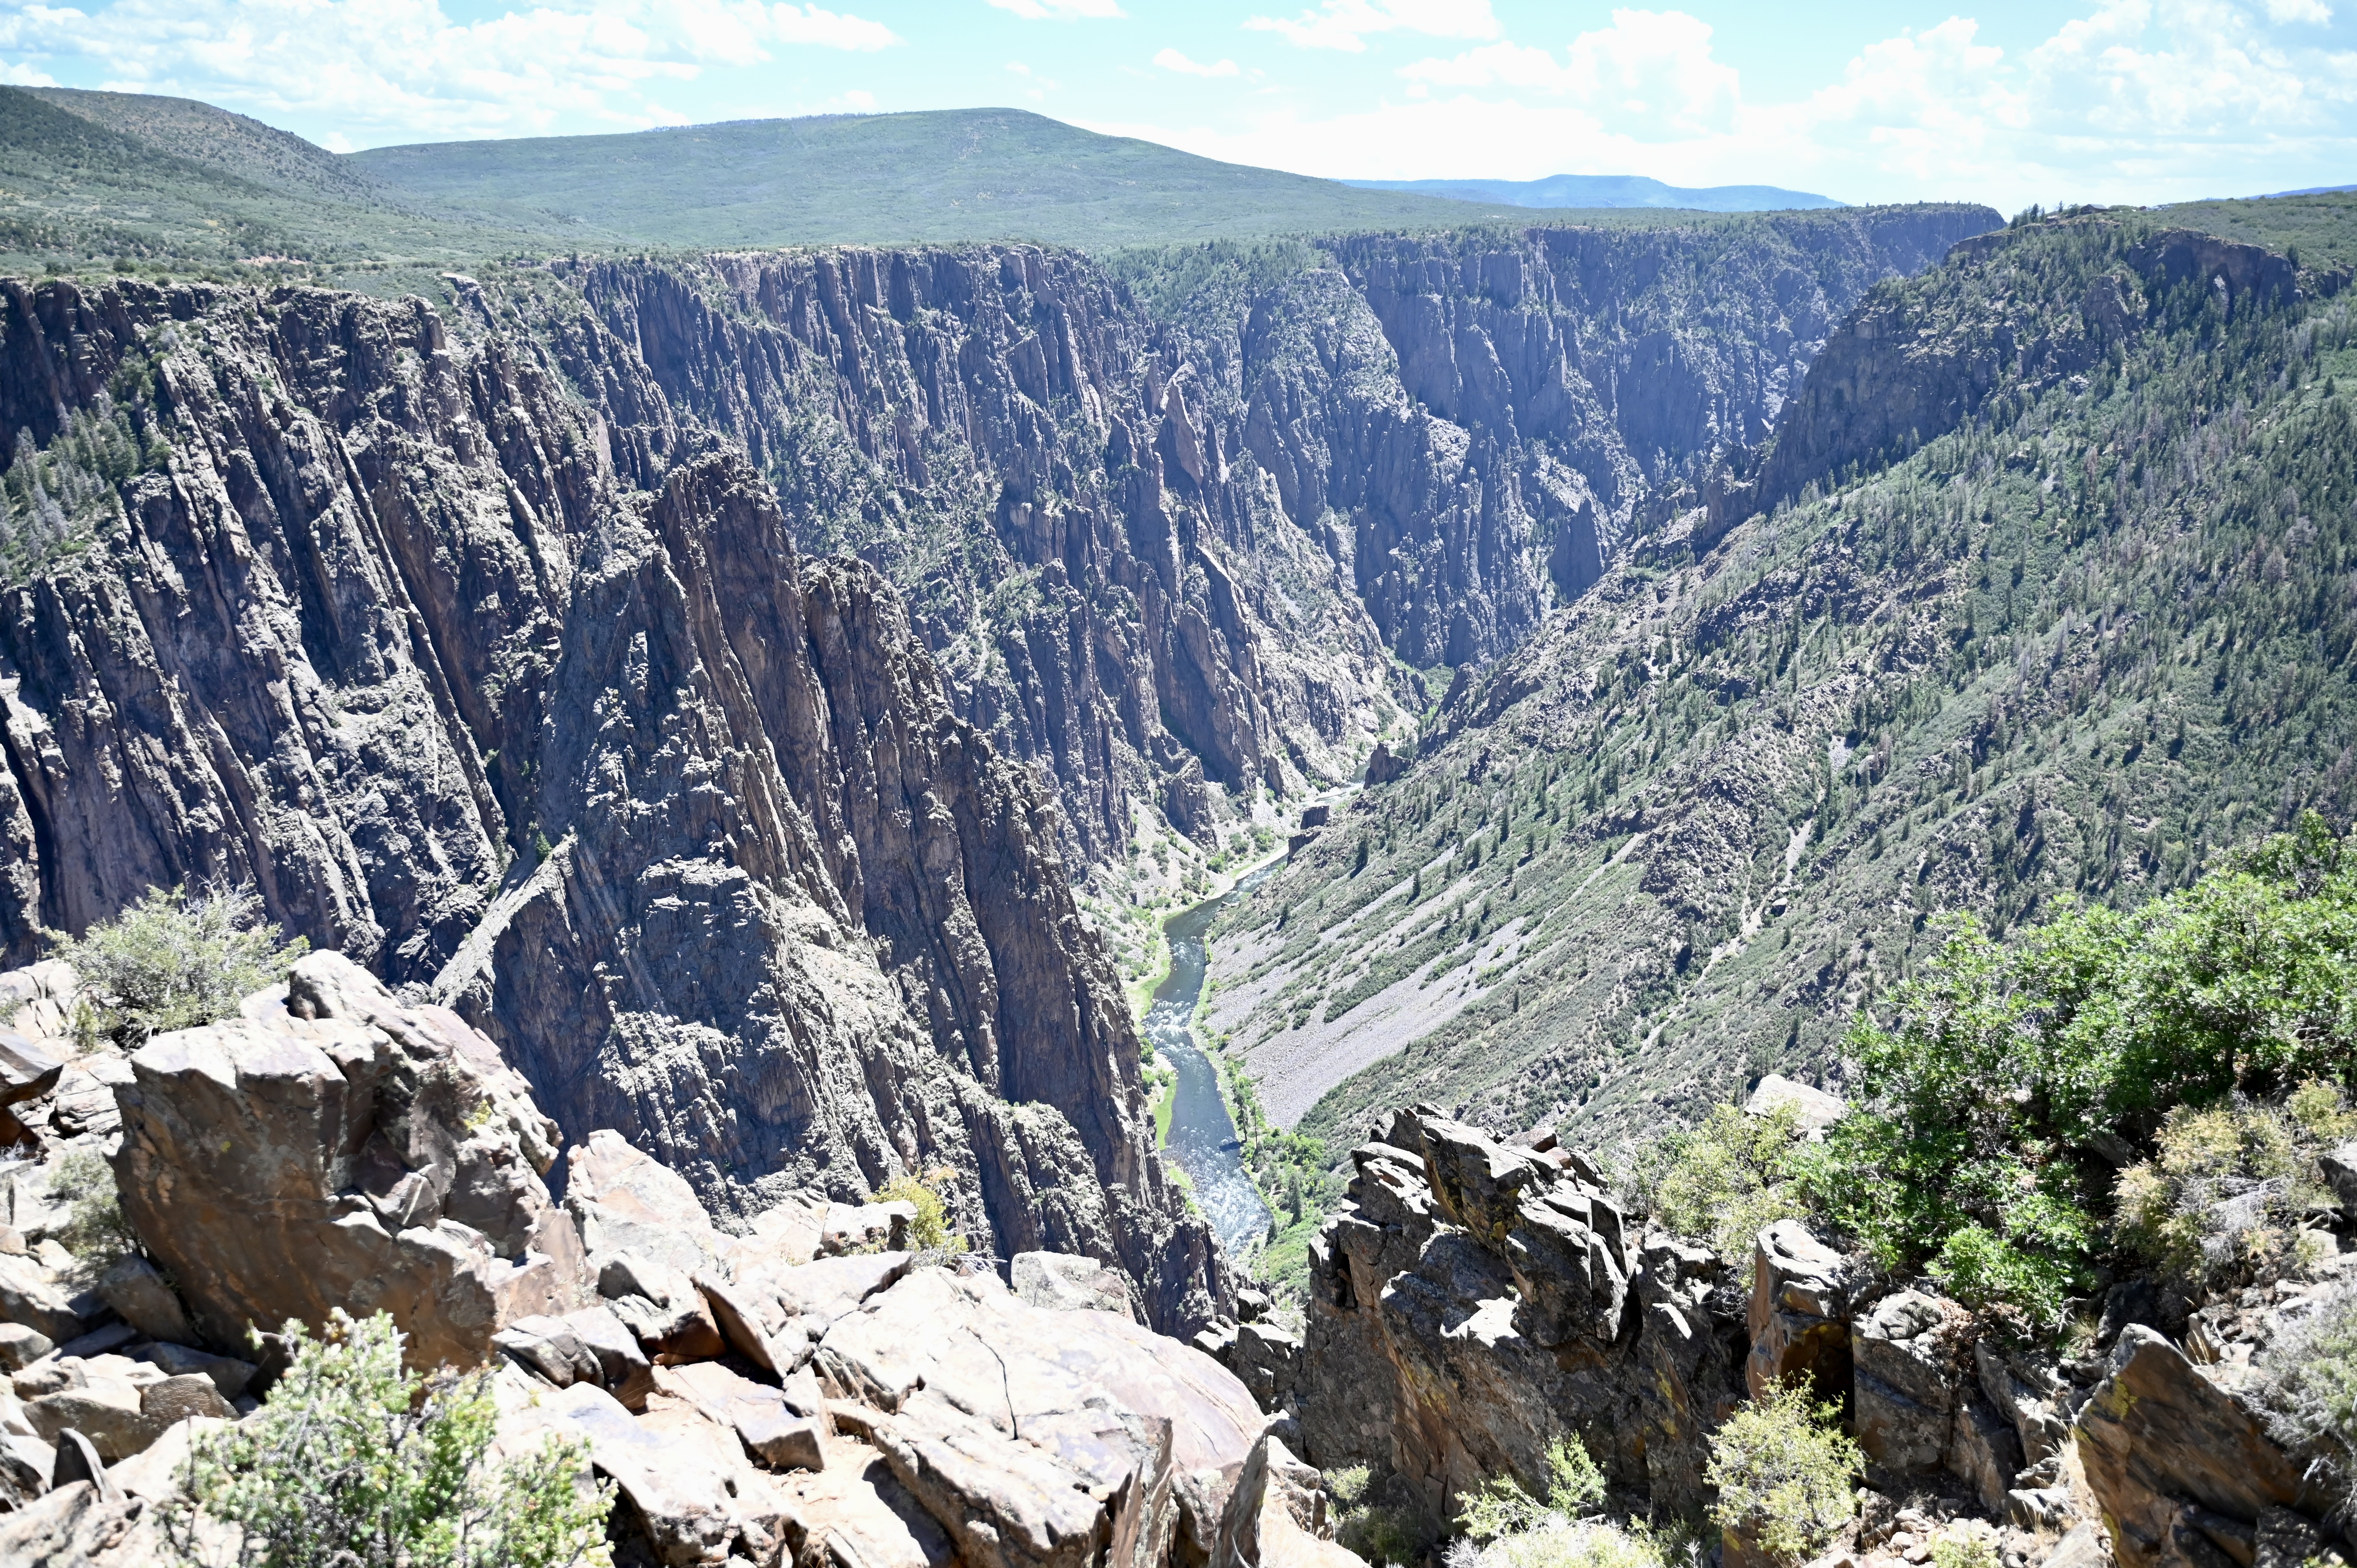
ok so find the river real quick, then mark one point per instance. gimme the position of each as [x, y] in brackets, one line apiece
[1202, 1135]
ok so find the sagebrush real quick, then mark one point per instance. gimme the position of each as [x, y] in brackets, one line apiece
[354, 1463]
[175, 960]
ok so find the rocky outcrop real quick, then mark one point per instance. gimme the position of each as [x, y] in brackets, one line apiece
[1472, 1303]
[2182, 1462]
[546, 714]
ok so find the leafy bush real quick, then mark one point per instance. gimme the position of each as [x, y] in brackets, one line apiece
[355, 1463]
[1383, 1524]
[1574, 1543]
[2224, 1192]
[930, 1232]
[2006, 1066]
[1784, 1472]
[1500, 1506]
[173, 962]
[95, 1232]
[1727, 1179]
[2311, 1387]
[1964, 1548]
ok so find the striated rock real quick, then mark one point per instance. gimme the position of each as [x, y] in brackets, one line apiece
[1799, 1313]
[1907, 1382]
[320, 1154]
[2159, 1437]
[1276, 1517]
[1062, 1283]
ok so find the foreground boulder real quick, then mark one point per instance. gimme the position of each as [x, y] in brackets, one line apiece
[333, 1149]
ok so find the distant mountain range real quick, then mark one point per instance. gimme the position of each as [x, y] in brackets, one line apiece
[1606, 190]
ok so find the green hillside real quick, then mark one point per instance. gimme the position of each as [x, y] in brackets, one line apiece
[2071, 648]
[950, 174]
[118, 178]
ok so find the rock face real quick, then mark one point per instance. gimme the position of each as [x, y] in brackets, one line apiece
[333, 1149]
[2181, 1461]
[546, 713]
[1473, 1303]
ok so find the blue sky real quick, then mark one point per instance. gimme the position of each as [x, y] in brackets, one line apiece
[2145, 100]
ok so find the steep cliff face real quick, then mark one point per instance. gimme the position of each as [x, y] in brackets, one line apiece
[1475, 422]
[547, 716]
[1024, 453]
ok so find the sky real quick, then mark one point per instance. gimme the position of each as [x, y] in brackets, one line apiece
[2007, 103]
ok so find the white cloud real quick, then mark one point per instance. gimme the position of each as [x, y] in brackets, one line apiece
[1059, 10]
[2137, 101]
[1171, 59]
[399, 70]
[1345, 24]
[1649, 70]
[2315, 12]
[25, 75]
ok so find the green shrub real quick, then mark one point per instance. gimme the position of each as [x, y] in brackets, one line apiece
[2310, 1383]
[1726, 1180]
[2001, 1071]
[1963, 1549]
[95, 1232]
[1370, 1521]
[355, 1463]
[930, 1232]
[173, 962]
[1784, 1473]
[1500, 1506]
[2173, 1209]
[1576, 1543]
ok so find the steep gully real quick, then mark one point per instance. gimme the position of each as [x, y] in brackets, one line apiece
[482, 644]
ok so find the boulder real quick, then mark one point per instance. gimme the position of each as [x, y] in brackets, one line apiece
[622, 1366]
[772, 1431]
[1063, 1281]
[2339, 1167]
[106, 1410]
[25, 1069]
[1478, 1181]
[547, 1347]
[754, 1325]
[657, 1304]
[141, 1298]
[229, 1375]
[26, 1466]
[21, 1346]
[623, 1200]
[2159, 1434]
[784, 1234]
[1570, 1263]
[31, 1296]
[1268, 1360]
[958, 1368]
[1814, 1109]
[332, 1149]
[1907, 1382]
[683, 1484]
[1799, 1313]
